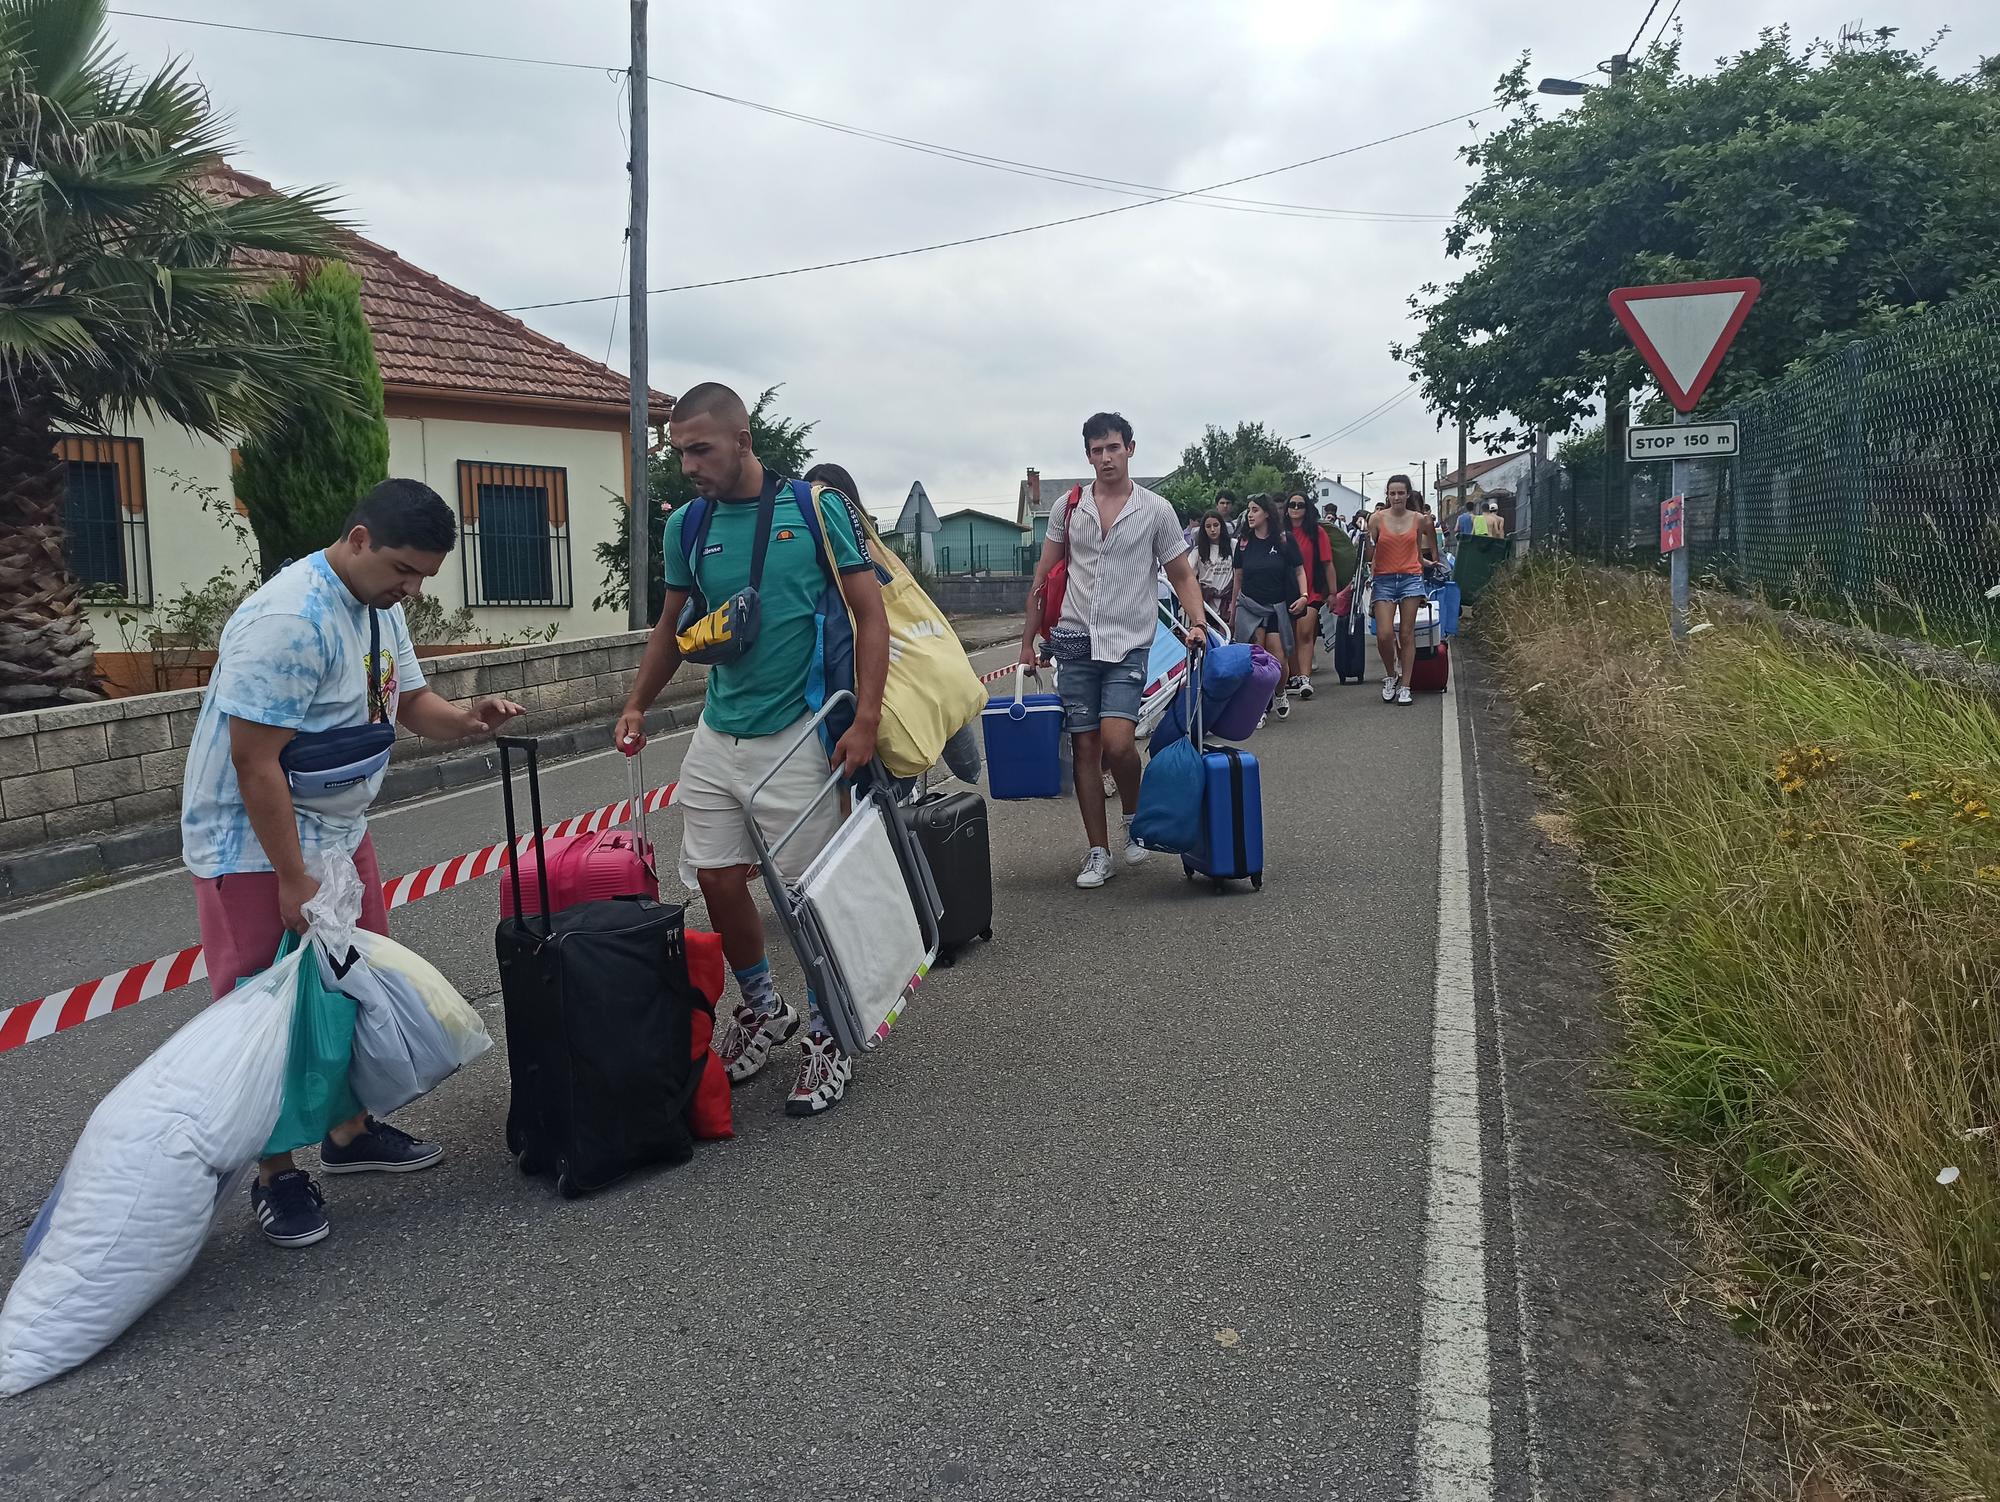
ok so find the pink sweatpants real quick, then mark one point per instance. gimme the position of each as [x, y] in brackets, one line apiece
[239, 922]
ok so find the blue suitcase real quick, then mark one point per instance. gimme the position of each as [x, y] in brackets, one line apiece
[1232, 819]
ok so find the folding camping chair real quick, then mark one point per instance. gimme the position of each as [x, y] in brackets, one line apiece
[862, 917]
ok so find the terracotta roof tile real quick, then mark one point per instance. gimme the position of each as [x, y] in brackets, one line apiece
[432, 336]
[1475, 469]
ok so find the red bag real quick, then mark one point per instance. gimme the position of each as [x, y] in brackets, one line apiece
[1432, 670]
[708, 1113]
[1055, 584]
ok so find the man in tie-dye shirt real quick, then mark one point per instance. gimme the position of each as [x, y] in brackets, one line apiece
[296, 659]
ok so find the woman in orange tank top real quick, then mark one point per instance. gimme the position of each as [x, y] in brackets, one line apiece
[1399, 540]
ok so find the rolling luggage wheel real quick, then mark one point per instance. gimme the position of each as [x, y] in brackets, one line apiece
[1257, 882]
[986, 936]
[566, 1184]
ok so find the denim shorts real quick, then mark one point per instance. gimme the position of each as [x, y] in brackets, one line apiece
[1392, 587]
[1093, 692]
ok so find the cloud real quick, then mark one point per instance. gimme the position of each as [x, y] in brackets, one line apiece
[962, 367]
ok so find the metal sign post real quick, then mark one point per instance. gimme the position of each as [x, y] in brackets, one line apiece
[1682, 331]
[1677, 557]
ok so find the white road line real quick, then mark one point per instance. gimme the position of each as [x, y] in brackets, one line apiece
[1454, 1393]
[387, 813]
[1523, 1317]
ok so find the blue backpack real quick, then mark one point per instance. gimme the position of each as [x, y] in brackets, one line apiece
[832, 667]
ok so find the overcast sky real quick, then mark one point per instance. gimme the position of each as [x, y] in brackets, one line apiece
[961, 367]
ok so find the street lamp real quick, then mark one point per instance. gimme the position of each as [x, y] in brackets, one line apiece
[1614, 68]
[1424, 474]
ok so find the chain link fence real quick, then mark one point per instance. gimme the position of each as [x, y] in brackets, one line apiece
[1866, 485]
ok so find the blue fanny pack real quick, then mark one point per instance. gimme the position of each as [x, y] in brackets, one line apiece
[329, 770]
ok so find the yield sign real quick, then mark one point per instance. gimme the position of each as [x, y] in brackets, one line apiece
[1683, 329]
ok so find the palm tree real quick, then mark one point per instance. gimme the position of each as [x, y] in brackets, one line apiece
[124, 283]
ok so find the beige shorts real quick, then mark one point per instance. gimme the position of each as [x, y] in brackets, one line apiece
[717, 775]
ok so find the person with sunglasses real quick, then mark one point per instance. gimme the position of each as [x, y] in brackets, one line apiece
[1316, 555]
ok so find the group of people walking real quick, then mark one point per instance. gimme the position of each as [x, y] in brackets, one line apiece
[1272, 574]
[321, 653]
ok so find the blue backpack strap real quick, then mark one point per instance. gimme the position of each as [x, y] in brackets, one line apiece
[695, 517]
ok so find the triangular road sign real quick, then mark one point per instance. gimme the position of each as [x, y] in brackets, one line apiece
[1683, 329]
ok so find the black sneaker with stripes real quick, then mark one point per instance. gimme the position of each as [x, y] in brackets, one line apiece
[290, 1209]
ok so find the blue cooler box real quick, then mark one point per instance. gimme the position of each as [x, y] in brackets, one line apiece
[1024, 746]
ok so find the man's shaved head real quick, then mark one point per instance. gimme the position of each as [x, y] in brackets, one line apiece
[710, 430]
[713, 399]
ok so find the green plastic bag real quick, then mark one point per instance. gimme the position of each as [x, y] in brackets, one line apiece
[317, 1095]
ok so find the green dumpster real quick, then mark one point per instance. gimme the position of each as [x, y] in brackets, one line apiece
[1479, 559]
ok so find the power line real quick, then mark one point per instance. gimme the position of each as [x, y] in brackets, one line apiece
[314, 36]
[1380, 409]
[1026, 229]
[1666, 23]
[1642, 27]
[1057, 174]
[908, 143]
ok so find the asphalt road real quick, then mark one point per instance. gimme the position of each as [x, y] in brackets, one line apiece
[1131, 1206]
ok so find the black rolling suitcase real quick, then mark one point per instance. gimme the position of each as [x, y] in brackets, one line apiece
[951, 828]
[1350, 636]
[598, 1007]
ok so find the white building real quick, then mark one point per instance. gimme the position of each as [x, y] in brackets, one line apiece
[525, 438]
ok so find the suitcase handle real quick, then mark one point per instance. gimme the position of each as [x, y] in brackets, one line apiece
[530, 749]
[635, 788]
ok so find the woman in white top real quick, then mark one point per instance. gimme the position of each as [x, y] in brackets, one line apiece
[1214, 562]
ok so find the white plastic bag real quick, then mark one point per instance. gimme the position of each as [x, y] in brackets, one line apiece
[412, 1030]
[135, 1202]
[335, 909]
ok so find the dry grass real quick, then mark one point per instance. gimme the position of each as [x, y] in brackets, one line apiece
[1799, 855]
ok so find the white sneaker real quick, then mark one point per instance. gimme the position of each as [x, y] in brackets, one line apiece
[1283, 708]
[1403, 695]
[747, 1040]
[823, 1074]
[1389, 687]
[1134, 851]
[1305, 688]
[1097, 868]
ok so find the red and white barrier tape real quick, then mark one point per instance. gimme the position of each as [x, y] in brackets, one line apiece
[59, 1010]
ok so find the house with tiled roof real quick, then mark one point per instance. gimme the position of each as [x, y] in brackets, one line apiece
[1038, 496]
[525, 437]
[1497, 478]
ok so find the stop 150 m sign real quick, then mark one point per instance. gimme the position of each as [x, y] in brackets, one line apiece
[1694, 440]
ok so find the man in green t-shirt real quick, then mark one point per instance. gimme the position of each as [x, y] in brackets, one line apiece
[756, 711]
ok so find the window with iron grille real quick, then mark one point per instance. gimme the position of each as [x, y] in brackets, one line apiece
[104, 516]
[514, 534]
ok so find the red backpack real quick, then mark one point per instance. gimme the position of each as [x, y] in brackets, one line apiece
[1055, 584]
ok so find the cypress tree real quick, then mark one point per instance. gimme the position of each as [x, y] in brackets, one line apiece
[299, 478]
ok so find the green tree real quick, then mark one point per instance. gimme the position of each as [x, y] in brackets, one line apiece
[123, 285]
[302, 474]
[1856, 182]
[781, 444]
[1246, 460]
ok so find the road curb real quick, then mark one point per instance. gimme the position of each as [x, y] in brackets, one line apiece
[32, 873]
[45, 868]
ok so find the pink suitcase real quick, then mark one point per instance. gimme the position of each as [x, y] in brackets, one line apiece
[589, 867]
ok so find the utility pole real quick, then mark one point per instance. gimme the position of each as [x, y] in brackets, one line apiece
[639, 504]
[1616, 416]
[1462, 425]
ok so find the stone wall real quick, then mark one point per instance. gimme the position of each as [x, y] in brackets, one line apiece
[93, 771]
[997, 594]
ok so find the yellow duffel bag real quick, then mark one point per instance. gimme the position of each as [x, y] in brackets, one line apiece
[932, 692]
